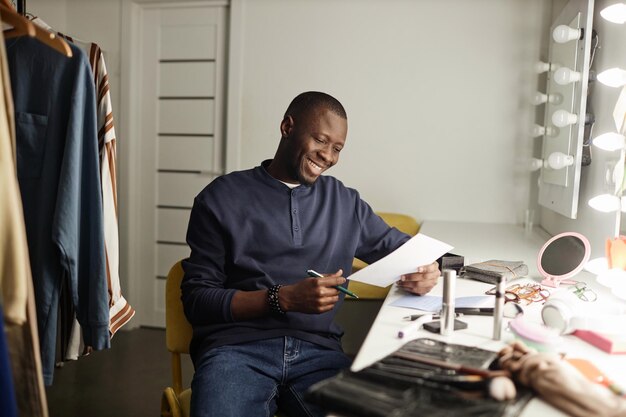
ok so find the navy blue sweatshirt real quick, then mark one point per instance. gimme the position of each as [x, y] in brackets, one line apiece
[249, 231]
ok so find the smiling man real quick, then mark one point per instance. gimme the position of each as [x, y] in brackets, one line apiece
[264, 332]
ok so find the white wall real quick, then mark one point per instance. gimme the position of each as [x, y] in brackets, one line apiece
[88, 20]
[435, 93]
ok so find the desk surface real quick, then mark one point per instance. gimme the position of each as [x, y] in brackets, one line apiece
[480, 242]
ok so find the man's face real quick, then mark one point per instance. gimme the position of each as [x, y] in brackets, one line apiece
[315, 141]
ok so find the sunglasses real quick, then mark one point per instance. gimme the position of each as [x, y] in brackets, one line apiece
[523, 294]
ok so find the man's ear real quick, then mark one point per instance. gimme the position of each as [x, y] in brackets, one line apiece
[286, 126]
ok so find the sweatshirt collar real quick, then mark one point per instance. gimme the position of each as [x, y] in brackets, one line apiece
[261, 172]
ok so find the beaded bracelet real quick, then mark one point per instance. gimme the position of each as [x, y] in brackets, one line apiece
[272, 299]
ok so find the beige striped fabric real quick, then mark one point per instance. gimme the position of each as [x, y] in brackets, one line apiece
[120, 311]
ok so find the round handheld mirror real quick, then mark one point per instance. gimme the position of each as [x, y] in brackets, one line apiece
[562, 257]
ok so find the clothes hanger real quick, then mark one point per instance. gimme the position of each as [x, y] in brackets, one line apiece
[7, 3]
[22, 26]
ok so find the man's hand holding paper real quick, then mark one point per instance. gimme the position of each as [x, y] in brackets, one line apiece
[413, 266]
[421, 281]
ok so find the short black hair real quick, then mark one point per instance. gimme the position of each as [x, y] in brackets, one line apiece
[310, 100]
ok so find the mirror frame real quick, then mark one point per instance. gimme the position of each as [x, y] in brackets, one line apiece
[554, 280]
[559, 189]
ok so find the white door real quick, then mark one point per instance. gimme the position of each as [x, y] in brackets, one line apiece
[182, 48]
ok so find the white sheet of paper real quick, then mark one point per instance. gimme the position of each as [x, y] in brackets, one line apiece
[417, 251]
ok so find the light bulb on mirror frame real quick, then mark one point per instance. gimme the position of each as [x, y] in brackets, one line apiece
[535, 164]
[541, 67]
[564, 76]
[606, 203]
[562, 118]
[539, 98]
[615, 13]
[613, 77]
[538, 130]
[559, 160]
[555, 98]
[564, 34]
[618, 179]
[610, 141]
[613, 175]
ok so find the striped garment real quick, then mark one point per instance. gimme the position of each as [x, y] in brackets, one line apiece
[120, 311]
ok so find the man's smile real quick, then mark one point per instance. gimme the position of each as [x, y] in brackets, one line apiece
[314, 166]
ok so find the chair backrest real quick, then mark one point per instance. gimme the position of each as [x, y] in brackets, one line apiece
[402, 222]
[178, 331]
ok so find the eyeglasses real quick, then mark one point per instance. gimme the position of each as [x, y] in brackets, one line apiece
[523, 294]
[583, 292]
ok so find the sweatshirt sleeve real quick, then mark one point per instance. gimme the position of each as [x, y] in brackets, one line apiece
[205, 300]
[77, 227]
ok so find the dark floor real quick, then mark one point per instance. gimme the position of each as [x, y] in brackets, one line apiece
[126, 380]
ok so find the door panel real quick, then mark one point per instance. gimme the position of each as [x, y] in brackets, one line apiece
[172, 225]
[187, 79]
[168, 255]
[183, 153]
[182, 105]
[179, 189]
[186, 116]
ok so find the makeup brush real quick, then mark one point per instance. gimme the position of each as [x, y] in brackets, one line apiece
[499, 385]
[451, 365]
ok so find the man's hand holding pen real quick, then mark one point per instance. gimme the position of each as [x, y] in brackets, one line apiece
[312, 295]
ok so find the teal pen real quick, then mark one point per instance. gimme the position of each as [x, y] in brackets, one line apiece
[314, 274]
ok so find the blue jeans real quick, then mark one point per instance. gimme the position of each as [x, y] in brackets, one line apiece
[256, 378]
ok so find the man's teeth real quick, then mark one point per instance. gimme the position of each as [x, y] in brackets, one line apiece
[315, 166]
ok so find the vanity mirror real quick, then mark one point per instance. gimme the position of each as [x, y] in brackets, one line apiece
[565, 101]
[562, 257]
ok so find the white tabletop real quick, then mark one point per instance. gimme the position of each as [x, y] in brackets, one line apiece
[479, 242]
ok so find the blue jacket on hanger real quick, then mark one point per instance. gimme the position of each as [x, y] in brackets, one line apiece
[58, 173]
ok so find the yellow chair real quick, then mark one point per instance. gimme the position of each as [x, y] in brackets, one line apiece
[402, 222]
[175, 401]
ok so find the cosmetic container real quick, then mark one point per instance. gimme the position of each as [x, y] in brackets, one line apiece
[447, 306]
